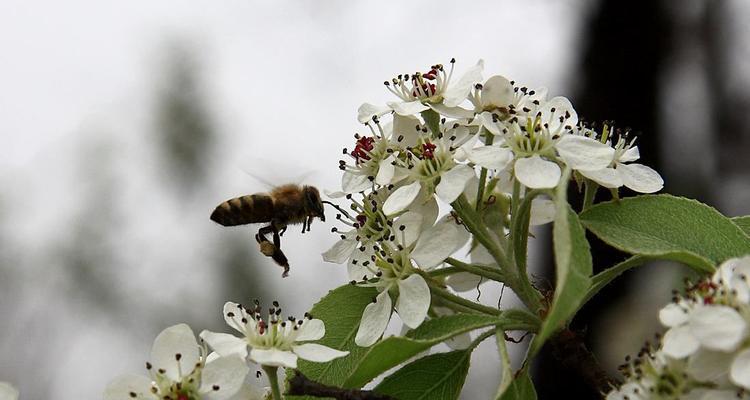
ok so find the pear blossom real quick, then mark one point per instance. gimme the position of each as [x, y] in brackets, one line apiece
[653, 376]
[8, 392]
[181, 369]
[623, 172]
[273, 342]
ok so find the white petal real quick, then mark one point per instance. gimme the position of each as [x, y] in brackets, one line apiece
[366, 111]
[491, 157]
[486, 120]
[177, 339]
[386, 171]
[340, 251]
[583, 153]
[413, 300]
[311, 329]
[429, 211]
[404, 127]
[274, 357]
[355, 268]
[640, 178]
[717, 327]
[8, 392]
[235, 310]
[317, 352]
[542, 211]
[408, 108]
[630, 155]
[451, 112]
[353, 183]
[679, 342]
[374, 320]
[411, 222]
[436, 244]
[673, 314]
[607, 177]
[497, 92]
[251, 392]
[707, 365]
[226, 373]
[458, 92]
[555, 108]
[122, 387]
[463, 281]
[401, 198]
[537, 173]
[740, 369]
[453, 182]
[225, 344]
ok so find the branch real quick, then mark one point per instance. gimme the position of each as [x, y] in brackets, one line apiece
[300, 385]
[569, 349]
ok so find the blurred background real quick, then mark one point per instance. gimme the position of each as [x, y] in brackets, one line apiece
[124, 124]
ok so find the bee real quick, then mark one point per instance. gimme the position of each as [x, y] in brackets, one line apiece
[283, 206]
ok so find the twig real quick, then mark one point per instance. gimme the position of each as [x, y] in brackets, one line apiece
[300, 385]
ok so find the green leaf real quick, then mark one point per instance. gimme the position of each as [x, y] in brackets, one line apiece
[435, 377]
[668, 227]
[394, 350]
[341, 310]
[522, 388]
[432, 119]
[743, 223]
[573, 269]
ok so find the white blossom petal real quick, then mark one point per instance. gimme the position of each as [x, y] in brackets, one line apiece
[537, 173]
[709, 366]
[413, 300]
[497, 92]
[366, 111]
[225, 373]
[673, 314]
[274, 357]
[311, 329]
[340, 251]
[428, 209]
[717, 327]
[123, 388]
[403, 127]
[640, 178]
[408, 108]
[355, 268]
[630, 155]
[412, 227]
[486, 120]
[542, 211]
[436, 244]
[556, 108]
[386, 170]
[317, 352]
[251, 392]
[177, 339]
[225, 344]
[451, 112]
[584, 153]
[740, 370]
[491, 157]
[401, 198]
[234, 309]
[374, 320]
[352, 182]
[453, 182]
[8, 392]
[463, 281]
[679, 342]
[607, 177]
[457, 92]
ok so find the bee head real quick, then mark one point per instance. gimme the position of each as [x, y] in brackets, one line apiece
[313, 203]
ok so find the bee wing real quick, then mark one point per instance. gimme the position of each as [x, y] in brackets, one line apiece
[272, 173]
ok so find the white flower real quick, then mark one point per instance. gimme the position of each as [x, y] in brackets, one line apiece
[8, 392]
[275, 342]
[180, 369]
[652, 376]
[420, 91]
[622, 171]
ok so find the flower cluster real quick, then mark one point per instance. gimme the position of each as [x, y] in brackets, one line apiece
[182, 369]
[446, 140]
[706, 346]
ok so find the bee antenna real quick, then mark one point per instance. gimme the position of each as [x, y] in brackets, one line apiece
[336, 206]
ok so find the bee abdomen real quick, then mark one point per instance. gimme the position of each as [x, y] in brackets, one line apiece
[242, 210]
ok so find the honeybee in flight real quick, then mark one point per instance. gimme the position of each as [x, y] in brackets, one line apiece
[284, 205]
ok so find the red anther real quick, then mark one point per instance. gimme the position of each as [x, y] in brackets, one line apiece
[361, 219]
[262, 327]
[364, 145]
[430, 75]
[428, 150]
[183, 396]
[708, 300]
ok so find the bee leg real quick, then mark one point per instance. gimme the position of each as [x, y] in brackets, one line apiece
[309, 222]
[304, 225]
